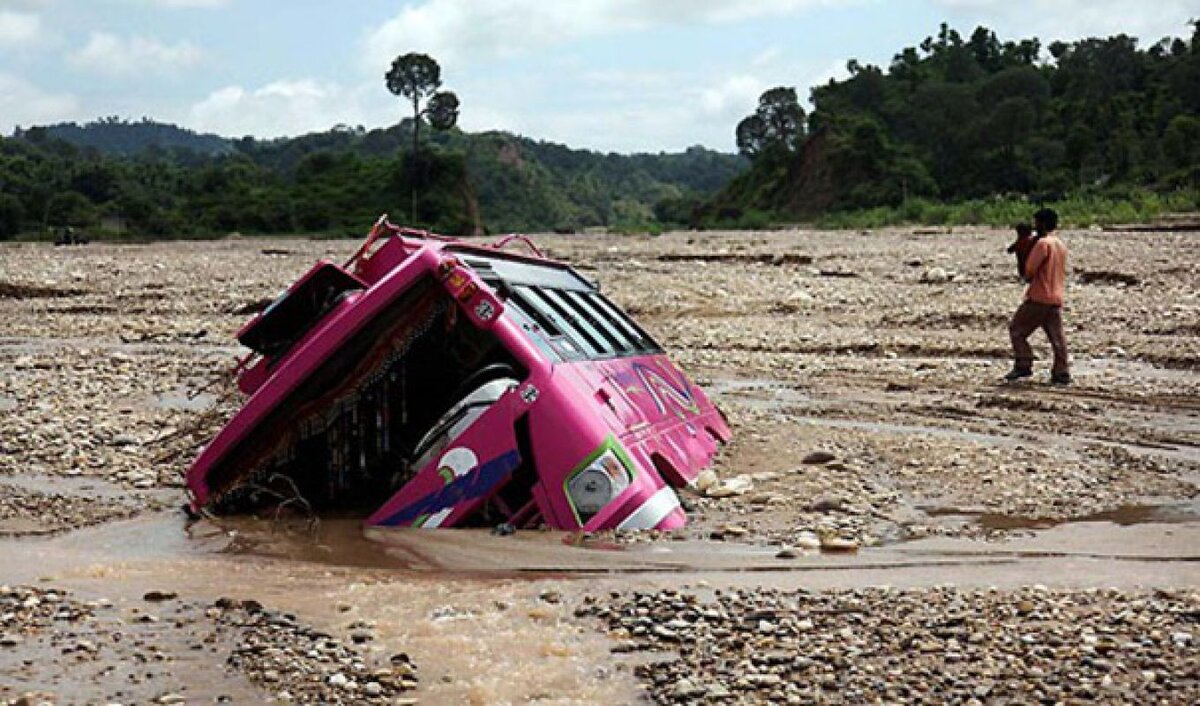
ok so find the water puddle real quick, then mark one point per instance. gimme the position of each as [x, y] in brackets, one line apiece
[1173, 434]
[488, 618]
[1123, 516]
[759, 393]
[79, 486]
[183, 400]
[959, 435]
[483, 638]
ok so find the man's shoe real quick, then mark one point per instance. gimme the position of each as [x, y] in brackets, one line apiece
[1018, 373]
[1060, 379]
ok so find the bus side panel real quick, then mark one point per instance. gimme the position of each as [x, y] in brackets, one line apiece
[464, 476]
[678, 421]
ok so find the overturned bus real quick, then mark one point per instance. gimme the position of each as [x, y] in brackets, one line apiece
[433, 382]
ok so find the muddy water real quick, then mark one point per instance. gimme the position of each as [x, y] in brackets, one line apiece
[479, 614]
[767, 395]
[184, 400]
[477, 636]
[1124, 516]
[80, 485]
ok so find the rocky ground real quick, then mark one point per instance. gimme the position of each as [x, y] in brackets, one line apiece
[97, 652]
[882, 645]
[860, 371]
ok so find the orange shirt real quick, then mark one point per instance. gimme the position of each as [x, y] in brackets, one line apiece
[1046, 270]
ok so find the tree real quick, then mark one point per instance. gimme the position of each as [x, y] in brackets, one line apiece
[418, 77]
[11, 214]
[775, 127]
[1181, 141]
[751, 135]
[69, 208]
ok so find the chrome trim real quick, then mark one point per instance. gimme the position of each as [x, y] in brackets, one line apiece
[652, 512]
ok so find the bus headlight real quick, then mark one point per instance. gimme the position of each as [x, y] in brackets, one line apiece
[596, 485]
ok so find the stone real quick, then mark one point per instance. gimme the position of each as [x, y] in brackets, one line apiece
[936, 275]
[827, 503]
[834, 543]
[807, 540]
[817, 458]
[685, 688]
[664, 633]
[705, 480]
[730, 487]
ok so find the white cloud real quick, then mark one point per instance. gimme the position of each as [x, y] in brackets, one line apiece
[19, 29]
[767, 57]
[835, 71]
[188, 3]
[1074, 19]
[287, 107]
[600, 108]
[461, 31]
[25, 104]
[732, 98]
[113, 55]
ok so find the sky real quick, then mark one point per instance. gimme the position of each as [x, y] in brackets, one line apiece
[610, 75]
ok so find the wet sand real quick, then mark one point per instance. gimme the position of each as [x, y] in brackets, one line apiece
[931, 473]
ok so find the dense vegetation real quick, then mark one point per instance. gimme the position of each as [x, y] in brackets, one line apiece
[954, 130]
[153, 180]
[974, 130]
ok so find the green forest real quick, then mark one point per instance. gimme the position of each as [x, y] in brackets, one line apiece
[974, 130]
[145, 179]
[954, 130]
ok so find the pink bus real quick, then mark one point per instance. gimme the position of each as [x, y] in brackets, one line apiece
[431, 382]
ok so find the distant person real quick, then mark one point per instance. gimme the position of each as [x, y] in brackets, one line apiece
[1046, 271]
[1022, 246]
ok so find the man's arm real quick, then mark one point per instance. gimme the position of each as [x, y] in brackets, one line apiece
[1037, 256]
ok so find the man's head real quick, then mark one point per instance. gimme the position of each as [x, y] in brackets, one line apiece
[1045, 221]
[1023, 230]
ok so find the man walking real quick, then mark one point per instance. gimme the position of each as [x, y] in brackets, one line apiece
[1046, 272]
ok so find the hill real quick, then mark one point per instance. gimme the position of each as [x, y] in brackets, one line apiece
[115, 136]
[956, 120]
[156, 179]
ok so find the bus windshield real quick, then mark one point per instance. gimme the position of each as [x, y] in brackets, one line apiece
[579, 322]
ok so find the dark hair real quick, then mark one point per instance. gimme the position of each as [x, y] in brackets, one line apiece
[1046, 217]
[1024, 230]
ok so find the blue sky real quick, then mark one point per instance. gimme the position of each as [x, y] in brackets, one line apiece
[614, 75]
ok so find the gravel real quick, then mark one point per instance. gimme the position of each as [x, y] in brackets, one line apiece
[57, 648]
[881, 645]
[299, 663]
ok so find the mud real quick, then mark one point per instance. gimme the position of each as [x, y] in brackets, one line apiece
[883, 351]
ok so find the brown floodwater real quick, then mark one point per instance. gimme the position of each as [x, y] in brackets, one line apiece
[468, 605]
[1124, 516]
